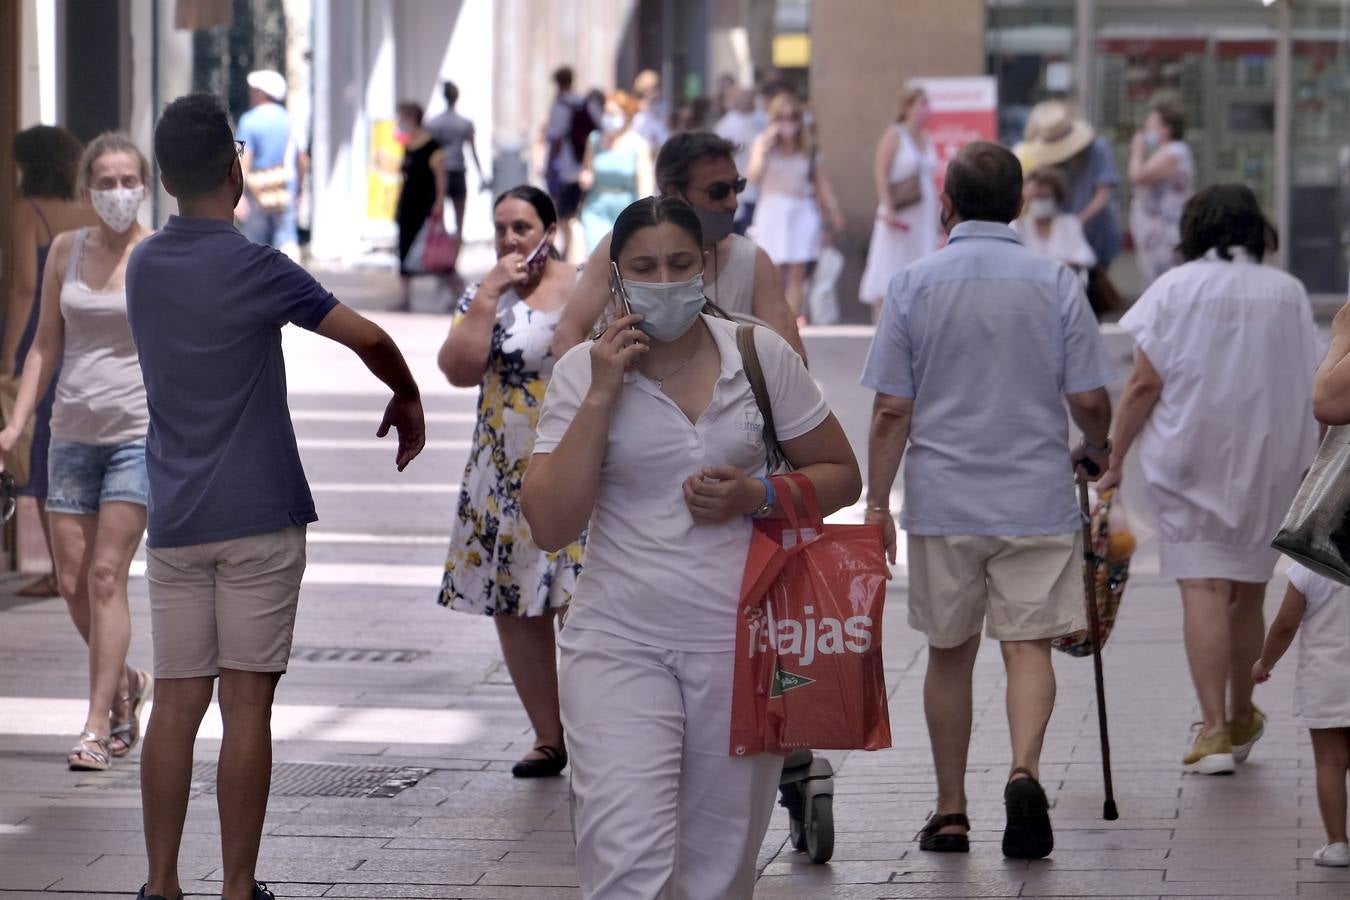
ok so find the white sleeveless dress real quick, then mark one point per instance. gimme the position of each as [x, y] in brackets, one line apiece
[894, 248]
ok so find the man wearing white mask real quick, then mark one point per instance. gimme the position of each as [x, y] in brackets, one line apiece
[98, 483]
[271, 166]
[700, 168]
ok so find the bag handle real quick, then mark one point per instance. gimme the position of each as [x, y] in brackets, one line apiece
[745, 340]
[810, 501]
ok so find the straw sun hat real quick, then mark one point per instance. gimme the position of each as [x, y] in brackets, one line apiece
[1053, 135]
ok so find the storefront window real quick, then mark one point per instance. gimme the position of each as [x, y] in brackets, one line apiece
[1029, 47]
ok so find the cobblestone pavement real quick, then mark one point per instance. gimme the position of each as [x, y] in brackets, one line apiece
[386, 684]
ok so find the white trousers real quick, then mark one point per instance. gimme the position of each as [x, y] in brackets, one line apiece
[662, 809]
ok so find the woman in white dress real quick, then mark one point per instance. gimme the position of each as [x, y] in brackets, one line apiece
[1162, 173]
[907, 223]
[795, 196]
[1221, 402]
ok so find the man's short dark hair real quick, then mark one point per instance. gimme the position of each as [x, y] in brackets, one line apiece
[451, 92]
[685, 148]
[562, 77]
[194, 144]
[984, 183]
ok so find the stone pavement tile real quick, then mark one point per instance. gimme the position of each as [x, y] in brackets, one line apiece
[837, 873]
[531, 875]
[450, 892]
[1250, 887]
[1339, 889]
[1045, 881]
[1069, 860]
[33, 873]
[1113, 838]
[529, 841]
[365, 873]
[793, 887]
[558, 857]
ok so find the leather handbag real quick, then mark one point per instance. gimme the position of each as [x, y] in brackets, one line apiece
[754, 373]
[906, 192]
[1316, 530]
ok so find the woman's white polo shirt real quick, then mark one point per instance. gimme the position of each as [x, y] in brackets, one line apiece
[651, 574]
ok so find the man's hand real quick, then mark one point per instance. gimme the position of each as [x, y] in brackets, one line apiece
[720, 493]
[1091, 461]
[888, 532]
[404, 415]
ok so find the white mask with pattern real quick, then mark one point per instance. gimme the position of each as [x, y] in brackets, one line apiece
[117, 207]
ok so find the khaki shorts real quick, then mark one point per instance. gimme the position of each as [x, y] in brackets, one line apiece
[225, 605]
[1028, 588]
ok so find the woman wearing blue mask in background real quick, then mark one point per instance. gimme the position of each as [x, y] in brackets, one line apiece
[650, 434]
[1162, 173]
[617, 168]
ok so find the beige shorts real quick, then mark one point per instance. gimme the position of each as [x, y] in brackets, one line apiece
[1027, 588]
[225, 605]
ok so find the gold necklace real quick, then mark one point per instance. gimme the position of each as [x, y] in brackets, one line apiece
[675, 371]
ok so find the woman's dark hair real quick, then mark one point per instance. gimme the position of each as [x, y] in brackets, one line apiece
[542, 203]
[984, 183]
[411, 110]
[1053, 179]
[194, 144]
[1173, 118]
[1223, 216]
[49, 161]
[651, 211]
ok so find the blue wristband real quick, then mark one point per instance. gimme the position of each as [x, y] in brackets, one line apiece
[770, 498]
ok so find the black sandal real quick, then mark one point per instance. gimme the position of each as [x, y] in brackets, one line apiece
[1028, 834]
[932, 841]
[554, 761]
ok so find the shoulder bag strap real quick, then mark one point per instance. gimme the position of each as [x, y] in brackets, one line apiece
[754, 373]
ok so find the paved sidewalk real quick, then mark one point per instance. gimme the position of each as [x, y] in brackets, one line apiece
[385, 680]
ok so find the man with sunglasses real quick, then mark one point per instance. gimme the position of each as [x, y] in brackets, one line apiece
[700, 168]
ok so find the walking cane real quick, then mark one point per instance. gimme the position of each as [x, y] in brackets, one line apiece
[1090, 592]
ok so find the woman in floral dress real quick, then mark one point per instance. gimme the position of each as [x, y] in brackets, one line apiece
[500, 342]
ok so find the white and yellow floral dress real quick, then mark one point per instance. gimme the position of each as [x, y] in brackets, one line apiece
[494, 567]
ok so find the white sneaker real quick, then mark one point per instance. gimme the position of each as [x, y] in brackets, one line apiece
[1333, 855]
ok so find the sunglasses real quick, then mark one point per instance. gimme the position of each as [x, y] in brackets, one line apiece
[719, 190]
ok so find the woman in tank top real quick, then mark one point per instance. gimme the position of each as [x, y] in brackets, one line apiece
[48, 159]
[97, 495]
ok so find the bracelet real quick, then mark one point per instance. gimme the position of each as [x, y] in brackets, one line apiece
[1094, 448]
[770, 500]
[884, 509]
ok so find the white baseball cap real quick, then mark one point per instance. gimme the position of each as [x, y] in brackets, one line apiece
[271, 83]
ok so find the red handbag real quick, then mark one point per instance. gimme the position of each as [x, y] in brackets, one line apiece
[441, 250]
[808, 669]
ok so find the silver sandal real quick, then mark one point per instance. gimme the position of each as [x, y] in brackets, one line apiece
[90, 754]
[128, 733]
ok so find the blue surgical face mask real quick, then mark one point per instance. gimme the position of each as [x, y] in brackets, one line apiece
[668, 309]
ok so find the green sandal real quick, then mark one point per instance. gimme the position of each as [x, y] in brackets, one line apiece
[90, 754]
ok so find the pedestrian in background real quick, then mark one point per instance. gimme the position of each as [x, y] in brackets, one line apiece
[226, 545]
[453, 133]
[48, 160]
[905, 175]
[569, 126]
[993, 524]
[1318, 610]
[646, 664]
[98, 489]
[741, 124]
[499, 343]
[1055, 137]
[651, 120]
[1220, 396]
[617, 168]
[795, 197]
[1046, 229]
[421, 193]
[699, 168]
[271, 166]
[1162, 174]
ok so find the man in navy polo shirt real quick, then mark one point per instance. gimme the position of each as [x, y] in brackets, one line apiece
[228, 498]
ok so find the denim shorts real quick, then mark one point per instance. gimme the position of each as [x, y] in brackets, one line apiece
[81, 477]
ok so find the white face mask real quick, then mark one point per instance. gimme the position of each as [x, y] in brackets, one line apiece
[612, 123]
[117, 207]
[668, 310]
[1042, 208]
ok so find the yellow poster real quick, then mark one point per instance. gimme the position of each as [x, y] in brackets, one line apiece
[384, 174]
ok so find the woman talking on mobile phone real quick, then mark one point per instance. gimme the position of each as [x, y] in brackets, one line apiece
[651, 435]
[499, 343]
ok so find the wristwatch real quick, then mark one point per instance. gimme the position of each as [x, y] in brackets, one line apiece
[1095, 449]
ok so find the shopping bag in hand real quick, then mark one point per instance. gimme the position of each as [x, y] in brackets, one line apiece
[1113, 543]
[808, 667]
[434, 251]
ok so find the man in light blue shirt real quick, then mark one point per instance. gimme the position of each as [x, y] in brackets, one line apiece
[271, 170]
[978, 348]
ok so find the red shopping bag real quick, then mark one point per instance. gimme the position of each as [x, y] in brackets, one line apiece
[808, 638]
[441, 249]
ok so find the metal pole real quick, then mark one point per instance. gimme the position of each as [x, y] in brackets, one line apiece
[1085, 43]
[1284, 97]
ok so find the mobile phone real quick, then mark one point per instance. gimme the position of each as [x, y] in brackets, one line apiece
[538, 253]
[618, 300]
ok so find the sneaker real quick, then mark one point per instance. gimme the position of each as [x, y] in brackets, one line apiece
[1337, 855]
[1210, 755]
[1244, 737]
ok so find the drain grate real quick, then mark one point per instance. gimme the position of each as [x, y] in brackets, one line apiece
[298, 779]
[356, 654]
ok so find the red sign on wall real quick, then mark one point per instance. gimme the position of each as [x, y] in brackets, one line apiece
[964, 110]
